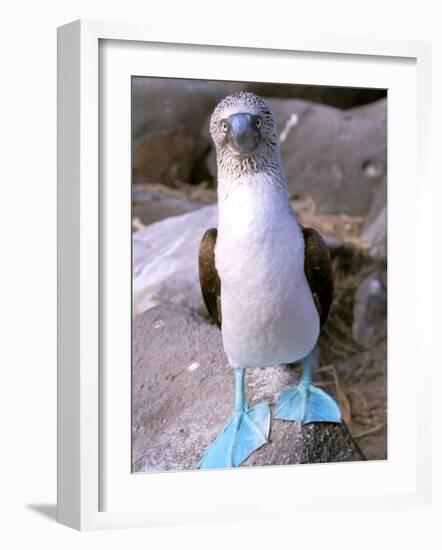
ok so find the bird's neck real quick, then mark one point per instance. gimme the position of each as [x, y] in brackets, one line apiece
[265, 175]
[253, 201]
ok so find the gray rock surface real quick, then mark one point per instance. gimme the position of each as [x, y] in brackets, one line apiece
[167, 118]
[165, 261]
[378, 204]
[370, 311]
[339, 159]
[167, 156]
[374, 232]
[183, 393]
[150, 205]
[375, 235]
[374, 111]
[341, 97]
[167, 104]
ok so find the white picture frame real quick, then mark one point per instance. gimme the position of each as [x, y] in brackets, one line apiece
[80, 264]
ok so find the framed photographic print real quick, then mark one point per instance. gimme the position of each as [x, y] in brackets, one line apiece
[225, 276]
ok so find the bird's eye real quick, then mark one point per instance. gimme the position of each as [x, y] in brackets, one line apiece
[224, 126]
[258, 123]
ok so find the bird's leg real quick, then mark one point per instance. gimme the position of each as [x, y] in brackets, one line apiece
[247, 430]
[240, 391]
[305, 402]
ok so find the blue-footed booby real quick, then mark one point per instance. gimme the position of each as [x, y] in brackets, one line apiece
[266, 281]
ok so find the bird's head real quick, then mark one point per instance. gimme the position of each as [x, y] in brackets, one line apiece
[243, 129]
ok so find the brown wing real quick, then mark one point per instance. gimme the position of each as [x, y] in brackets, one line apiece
[317, 267]
[209, 280]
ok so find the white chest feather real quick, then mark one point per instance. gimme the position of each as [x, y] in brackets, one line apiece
[268, 313]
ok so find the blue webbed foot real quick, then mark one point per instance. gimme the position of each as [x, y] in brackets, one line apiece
[307, 403]
[247, 431]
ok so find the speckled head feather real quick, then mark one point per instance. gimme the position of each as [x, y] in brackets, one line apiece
[265, 156]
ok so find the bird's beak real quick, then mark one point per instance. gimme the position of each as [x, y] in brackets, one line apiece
[243, 135]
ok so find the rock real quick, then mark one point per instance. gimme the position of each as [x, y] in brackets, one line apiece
[166, 156]
[374, 111]
[337, 158]
[370, 311]
[183, 393]
[168, 104]
[374, 232]
[341, 97]
[314, 443]
[375, 235]
[167, 118]
[378, 204]
[165, 260]
[150, 205]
